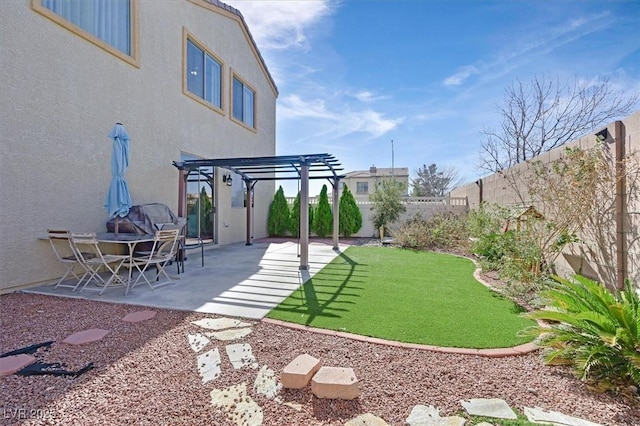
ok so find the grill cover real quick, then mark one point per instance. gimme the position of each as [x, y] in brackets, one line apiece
[145, 219]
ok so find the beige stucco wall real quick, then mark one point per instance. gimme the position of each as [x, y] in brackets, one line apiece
[61, 95]
[596, 255]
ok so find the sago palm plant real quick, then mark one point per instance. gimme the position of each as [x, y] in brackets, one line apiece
[594, 331]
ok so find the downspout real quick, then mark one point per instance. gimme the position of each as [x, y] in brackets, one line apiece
[620, 205]
[479, 183]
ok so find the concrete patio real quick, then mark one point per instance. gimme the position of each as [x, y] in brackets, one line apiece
[236, 280]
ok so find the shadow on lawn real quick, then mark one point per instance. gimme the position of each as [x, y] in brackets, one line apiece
[312, 306]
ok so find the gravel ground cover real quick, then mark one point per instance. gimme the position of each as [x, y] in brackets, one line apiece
[145, 373]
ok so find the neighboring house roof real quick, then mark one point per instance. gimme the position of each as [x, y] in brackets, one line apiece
[379, 172]
[236, 12]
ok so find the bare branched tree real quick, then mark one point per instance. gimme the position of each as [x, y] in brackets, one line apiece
[544, 114]
[431, 182]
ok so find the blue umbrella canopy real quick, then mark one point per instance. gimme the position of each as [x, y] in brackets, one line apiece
[118, 199]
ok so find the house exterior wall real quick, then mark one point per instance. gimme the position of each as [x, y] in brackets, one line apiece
[373, 177]
[597, 255]
[63, 94]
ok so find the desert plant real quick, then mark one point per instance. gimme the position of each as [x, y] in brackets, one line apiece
[595, 331]
[349, 214]
[279, 215]
[323, 217]
[444, 230]
[387, 203]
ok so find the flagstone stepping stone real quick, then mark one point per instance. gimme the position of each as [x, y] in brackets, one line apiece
[539, 415]
[87, 336]
[139, 316]
[335, 383]
[239, 407]
[490, 407]
[13, 363]
[241, 355]
[231, 334]
[294, 405]
[297, 373]
[219, 323]
[209, 365]
[366, 419]
[197, 342]
[267, 383]
[421, 415]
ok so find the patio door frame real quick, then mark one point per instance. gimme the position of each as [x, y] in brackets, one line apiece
[202, 178]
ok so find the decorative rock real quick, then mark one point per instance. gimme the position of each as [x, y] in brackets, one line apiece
[13, 363]
[366, 419]
[197, 342]
[241, 409]
[139, 316]
[335, 383]
[492, 407]
[538, 415]
[219, 323]
[233, 334]
[209, 365]
[241, 355]
[266, 382]
[86, 336]
[421, 415]
[297, 373]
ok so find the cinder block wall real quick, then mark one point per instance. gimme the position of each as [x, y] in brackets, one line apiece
[597, 255]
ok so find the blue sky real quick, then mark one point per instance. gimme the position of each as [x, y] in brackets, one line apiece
[354, 75]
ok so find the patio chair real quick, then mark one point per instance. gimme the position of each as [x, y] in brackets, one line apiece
[90, 256]
[162, 253]
[62, 248]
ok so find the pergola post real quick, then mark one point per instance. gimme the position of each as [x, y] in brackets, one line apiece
[304, 217]
[336, 213]
[249, 202]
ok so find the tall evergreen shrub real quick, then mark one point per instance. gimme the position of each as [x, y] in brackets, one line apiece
[279, 215]
[323, 218]
[295, 217]
[349, 213]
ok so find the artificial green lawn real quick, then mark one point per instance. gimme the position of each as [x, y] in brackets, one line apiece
[407, 296]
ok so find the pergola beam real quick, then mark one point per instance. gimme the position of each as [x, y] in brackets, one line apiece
[284, 167]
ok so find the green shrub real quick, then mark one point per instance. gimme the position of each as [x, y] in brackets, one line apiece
[446, 231]
[594, 331]
[279, 215]
[350, 216]
[323, 217]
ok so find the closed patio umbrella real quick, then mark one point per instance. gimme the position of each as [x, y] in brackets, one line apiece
[118, 199]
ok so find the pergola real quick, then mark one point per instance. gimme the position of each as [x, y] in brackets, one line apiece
[283, 167]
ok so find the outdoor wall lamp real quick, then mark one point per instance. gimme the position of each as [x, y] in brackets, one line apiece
[227, 179]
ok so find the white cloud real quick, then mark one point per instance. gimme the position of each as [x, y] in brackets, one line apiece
[458, 78]
[368, 96]
[519, 54]
[282, 24]
[335, 123]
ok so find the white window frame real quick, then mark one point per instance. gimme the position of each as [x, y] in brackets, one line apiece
[364, 185]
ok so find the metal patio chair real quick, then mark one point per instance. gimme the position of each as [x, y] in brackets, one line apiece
[163, 251]
[63, 249]
[90, 256]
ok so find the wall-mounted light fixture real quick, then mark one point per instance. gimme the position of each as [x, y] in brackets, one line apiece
[227, 179]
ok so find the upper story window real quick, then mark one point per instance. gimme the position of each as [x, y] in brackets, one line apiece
[362, 187]
[203, 74]
[243, 102]
[106, 23]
